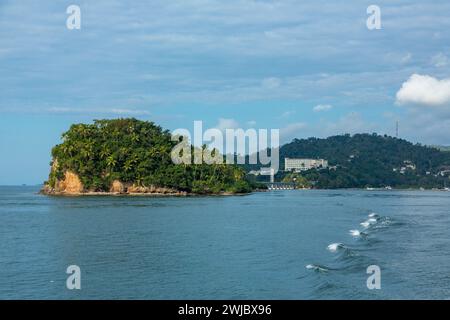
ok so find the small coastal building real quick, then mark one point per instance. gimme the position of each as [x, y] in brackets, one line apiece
[407, 166]
[268, 172]
[264, 172]
[297, 165]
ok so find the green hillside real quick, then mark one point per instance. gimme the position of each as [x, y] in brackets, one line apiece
[365, 160]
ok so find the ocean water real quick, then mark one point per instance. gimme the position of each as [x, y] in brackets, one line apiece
[273, 245]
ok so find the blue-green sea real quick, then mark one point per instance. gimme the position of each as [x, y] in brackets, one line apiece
[291, 244]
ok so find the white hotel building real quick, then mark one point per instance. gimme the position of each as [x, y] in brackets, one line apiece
[304, 164]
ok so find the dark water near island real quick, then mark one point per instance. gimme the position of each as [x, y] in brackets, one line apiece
[270, 245]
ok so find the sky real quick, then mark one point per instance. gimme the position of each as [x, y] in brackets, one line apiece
[308, 68]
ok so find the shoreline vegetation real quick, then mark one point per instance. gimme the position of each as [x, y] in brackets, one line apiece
[223, 194]
[133, 157]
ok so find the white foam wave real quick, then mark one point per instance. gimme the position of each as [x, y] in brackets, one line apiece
[335, 247]
[355, 233]
[365, 224]
[316, 268]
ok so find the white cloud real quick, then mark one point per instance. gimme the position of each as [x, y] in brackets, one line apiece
[224, 124]
[271, 83]
[287, 114]
[322, 107]
[424, 90]
[440, 60]
[129, 112]
[133, 112]
[251, 123]
[350, 123]
[406, 58]
[292, 130]
[432, 125]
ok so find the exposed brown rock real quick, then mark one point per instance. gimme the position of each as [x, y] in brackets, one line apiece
[117, 187]
[71, 184]
[153, 190]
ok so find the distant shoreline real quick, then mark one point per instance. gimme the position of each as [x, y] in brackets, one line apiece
[222, 194]
[195, 195]
[180, 194]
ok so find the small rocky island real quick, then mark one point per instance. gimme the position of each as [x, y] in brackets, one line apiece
[132, 157]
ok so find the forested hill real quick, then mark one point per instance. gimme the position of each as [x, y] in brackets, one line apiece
[121, 155]
[365, 160]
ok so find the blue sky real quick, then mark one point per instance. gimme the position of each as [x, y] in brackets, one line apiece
[309, 68]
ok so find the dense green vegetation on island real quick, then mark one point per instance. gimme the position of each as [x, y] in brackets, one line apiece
[368, 160]
[136, 152]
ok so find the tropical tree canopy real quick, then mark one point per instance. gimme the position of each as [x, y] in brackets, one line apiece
[137, 152]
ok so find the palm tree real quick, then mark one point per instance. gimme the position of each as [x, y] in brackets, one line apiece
[135, 137]
[111, 162]
[104, 152]
[128, 165]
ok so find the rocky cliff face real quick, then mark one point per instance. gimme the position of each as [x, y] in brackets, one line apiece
[118, 187]
[153, 190]
[72, 186]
